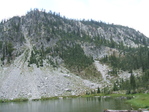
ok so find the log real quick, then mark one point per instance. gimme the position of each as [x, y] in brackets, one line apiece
[122, 110]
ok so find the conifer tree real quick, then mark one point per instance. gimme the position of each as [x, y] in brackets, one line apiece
[132, 81]
[98, 90]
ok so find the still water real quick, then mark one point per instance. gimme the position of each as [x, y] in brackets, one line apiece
[92, 104]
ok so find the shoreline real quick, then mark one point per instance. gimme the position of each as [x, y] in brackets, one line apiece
[135, 100]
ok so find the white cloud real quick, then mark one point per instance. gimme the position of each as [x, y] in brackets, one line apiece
[10, 8]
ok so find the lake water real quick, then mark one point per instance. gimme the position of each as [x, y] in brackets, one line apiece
[91, 104]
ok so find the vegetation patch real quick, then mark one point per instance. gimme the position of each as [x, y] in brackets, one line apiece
[91, 73]
[140, 101]
[14, 100]
[75, 59]
[49, 98]
[130, 59]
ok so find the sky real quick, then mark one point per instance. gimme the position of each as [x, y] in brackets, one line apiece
[131, 13]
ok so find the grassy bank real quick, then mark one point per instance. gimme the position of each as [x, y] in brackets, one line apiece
[136, 100]
[140, 101]
[14, 100]
[40, 99]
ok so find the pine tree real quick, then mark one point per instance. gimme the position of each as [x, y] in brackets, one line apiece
[115, 88]
[132, 81]
[98, 90]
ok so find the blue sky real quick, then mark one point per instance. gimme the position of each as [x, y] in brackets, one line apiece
[131, 13]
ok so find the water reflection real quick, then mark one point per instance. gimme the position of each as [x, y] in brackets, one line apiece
[91, 104]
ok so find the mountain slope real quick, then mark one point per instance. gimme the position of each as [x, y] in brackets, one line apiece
[44, 55]
[20, 81]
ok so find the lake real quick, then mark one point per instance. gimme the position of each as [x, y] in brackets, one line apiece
[91, 104]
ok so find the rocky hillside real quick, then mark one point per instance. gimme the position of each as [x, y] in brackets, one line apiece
[43, 54]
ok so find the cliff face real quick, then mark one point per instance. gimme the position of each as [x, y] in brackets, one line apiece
[41, 54]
